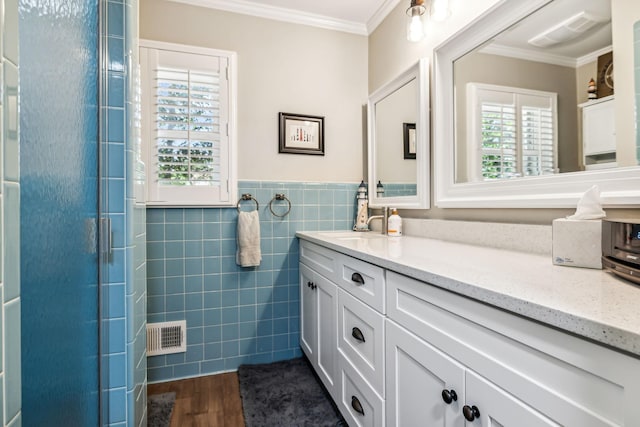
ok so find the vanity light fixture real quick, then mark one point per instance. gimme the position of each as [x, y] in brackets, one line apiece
[415, 24]
[440, 10]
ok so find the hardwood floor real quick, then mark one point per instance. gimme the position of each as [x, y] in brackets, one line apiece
[211, 401]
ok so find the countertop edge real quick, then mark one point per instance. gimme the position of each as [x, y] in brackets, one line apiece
[599, 332]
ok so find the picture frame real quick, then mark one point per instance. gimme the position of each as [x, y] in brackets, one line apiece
[409, 136]
[301, 134]
[605, 75]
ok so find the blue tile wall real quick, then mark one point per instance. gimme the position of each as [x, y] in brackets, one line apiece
[395, 190]
[124, 285]
[235, 315]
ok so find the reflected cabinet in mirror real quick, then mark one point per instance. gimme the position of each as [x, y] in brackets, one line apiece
[518, 122]
[398, 141]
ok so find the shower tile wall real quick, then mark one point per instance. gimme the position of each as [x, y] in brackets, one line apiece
[10, 374]
[235, 315]
[124, 284]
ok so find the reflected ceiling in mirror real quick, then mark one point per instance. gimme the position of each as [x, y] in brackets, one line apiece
[519, 96]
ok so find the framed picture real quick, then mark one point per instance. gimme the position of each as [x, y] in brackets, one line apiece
[409, 132]
[605, 75]
[301, 134]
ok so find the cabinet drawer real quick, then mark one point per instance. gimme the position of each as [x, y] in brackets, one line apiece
[363, 280]
[543, 367]
[359, 404]
[361, 339]
[321, 259]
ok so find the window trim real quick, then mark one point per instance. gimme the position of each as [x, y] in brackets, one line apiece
[232, 74]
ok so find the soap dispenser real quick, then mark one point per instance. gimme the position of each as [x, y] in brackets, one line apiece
[394, 224]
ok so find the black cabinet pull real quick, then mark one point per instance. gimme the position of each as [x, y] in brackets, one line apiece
[449, 396]
[311, 285]
[470, 412]
[356, 405]
[357, 277]
[357, 334]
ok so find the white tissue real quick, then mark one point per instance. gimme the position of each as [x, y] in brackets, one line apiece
[589, 206]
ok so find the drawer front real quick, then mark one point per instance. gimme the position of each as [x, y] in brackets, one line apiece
[361, 339]
[359, 404]
[321, 259]
[363, 280]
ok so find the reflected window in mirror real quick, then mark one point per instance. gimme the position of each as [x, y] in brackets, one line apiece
[512, 132]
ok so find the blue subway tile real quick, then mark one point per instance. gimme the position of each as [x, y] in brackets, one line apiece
[213, 351]
[229, 315]
[230, 348]
[212, 334]
[174, 285]
[186, 370]
[193, 301]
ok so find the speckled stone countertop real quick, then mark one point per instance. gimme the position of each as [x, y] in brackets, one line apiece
[587, 302]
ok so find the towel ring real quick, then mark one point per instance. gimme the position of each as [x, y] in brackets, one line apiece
[247, 196]
[280, 197]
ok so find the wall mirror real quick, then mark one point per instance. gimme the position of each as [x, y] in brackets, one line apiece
[510, 93]
[398, 141]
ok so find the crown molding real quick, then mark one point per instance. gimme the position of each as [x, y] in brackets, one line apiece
[529, 55]
[383, 11]
[593, 56]
[281, 14]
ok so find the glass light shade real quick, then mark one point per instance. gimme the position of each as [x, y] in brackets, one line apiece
[440, 10]
[416, 23]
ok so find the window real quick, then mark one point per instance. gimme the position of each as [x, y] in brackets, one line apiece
[188, 125]
[513, 132]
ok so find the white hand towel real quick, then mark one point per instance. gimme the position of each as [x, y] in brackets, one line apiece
[248, 254]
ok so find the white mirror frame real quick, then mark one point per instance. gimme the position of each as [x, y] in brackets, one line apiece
[619, 187]
[419, 72]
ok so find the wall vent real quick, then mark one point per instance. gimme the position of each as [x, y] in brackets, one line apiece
[166, 337]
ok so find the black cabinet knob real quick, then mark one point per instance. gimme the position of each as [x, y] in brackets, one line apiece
[449, 396]
[309, 284]
[470, 412]
[357, 277]
[357, 334]
[356, 405]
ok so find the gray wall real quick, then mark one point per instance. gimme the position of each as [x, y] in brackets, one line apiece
[282, 67]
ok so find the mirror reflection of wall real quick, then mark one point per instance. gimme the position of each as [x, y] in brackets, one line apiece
[397, 174]
[636, 45]
[517, 59]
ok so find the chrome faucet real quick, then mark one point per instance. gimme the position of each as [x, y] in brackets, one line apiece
[384, 217]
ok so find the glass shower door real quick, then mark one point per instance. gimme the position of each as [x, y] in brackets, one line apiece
[59, 212]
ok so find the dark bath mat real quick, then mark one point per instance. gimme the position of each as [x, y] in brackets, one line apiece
[159, 408]
[285, 394]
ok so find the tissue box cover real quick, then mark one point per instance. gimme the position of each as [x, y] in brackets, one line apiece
[577, 242]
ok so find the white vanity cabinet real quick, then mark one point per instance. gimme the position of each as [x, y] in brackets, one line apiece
[599, 133]
[425, 355]
[515, 372]
[355, 379]
[318, 325]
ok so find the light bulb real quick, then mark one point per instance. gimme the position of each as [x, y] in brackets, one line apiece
[415, 32]
[439, 10]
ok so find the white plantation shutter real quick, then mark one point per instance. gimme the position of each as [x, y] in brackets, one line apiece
[189, 136]
[513, 131]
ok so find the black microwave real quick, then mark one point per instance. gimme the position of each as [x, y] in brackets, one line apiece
[621, 247]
